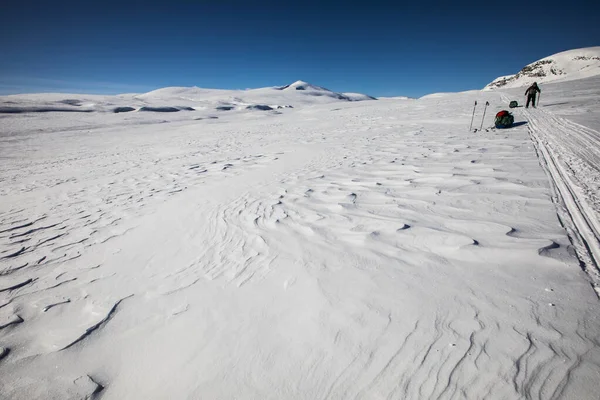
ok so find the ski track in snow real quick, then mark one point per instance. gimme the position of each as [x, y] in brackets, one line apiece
[571, 154]
[378, 251]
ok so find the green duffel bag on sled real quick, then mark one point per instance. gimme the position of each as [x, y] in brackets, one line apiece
[504, 119]
[513, 104]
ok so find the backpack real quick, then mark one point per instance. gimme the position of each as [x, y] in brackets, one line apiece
[513, 104]
[504, 119]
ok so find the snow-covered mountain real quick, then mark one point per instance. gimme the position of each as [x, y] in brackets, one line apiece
[297, 92]
[396, 98]
[173, 99]
[311, 90]
[564, 66]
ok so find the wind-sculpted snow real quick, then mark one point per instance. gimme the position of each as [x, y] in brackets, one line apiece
[166, 109]
[260, 107]
[117, 110]
[371, 250]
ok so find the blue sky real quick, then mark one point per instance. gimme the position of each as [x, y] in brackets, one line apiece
[382, 48]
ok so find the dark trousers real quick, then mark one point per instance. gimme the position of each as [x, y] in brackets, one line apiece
[530, 98]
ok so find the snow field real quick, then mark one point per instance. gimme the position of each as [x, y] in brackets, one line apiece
[337, 250]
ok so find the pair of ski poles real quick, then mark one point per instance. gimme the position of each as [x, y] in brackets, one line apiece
[482, 118]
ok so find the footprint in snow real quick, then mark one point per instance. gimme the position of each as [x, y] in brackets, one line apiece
[180, 310]
[289, 283]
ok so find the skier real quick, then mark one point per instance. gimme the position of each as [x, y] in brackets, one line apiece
[530, 93]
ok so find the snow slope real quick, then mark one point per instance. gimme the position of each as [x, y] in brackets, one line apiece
[565, 66]
[334, 250]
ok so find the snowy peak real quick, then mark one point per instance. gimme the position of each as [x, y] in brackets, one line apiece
[564, 66]
[301, 85]
[308, 89]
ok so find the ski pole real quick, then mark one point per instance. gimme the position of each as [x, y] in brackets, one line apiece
[538, 99]
[471, 126]
[482, 118]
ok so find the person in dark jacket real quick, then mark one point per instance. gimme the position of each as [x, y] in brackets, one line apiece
[530, 93]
